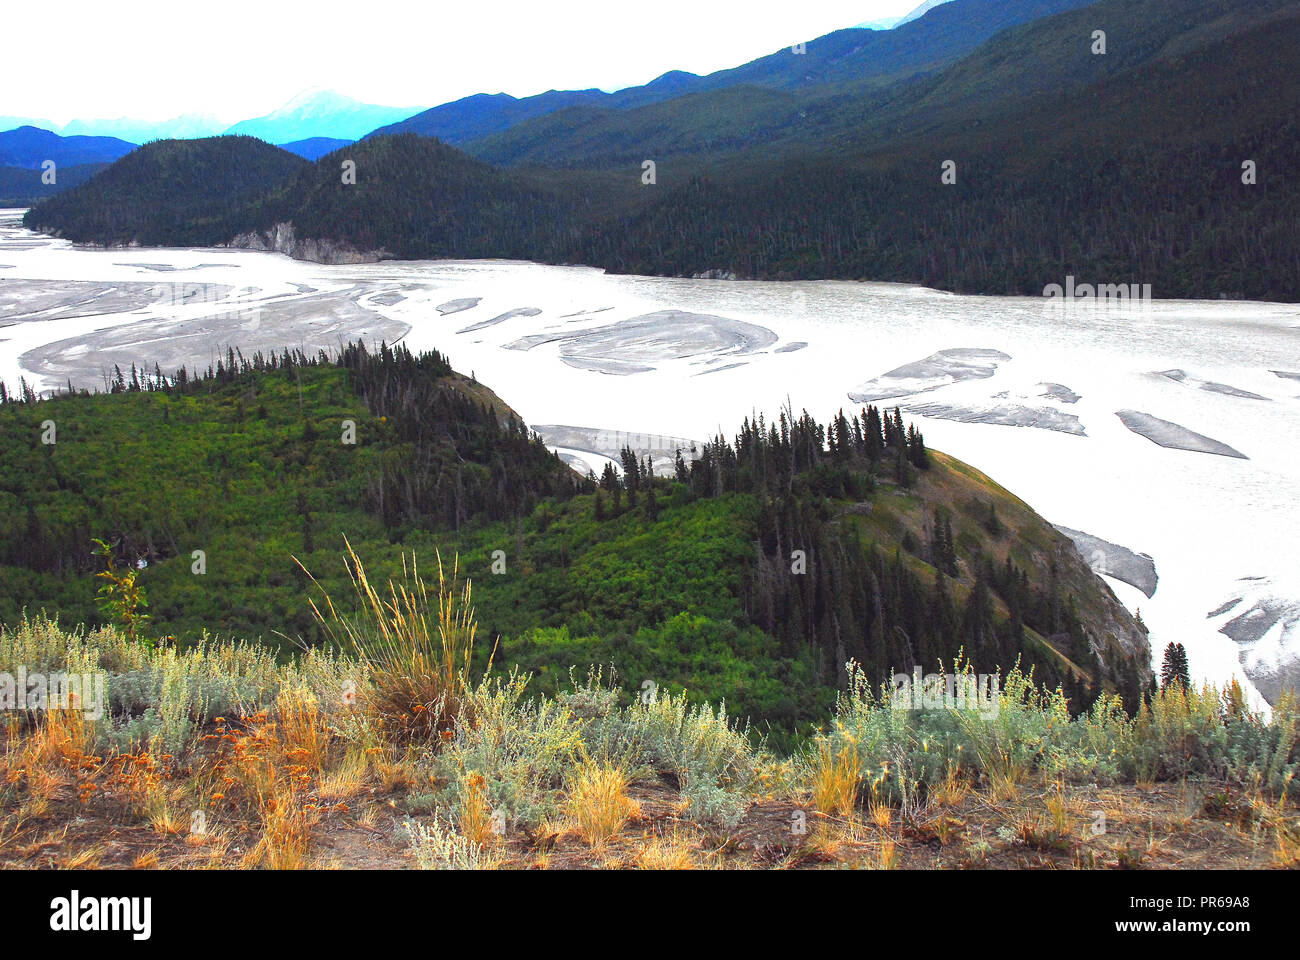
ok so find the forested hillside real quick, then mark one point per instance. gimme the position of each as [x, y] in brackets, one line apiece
[854, 112]
[753, 575]
[845, 55]
[32, 148]
[1165, 161]
[173, 192]
[21, 186]
[419, 198]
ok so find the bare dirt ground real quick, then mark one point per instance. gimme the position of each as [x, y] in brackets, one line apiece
[1185, 826]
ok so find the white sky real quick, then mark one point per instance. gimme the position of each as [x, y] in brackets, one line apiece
[235, 59]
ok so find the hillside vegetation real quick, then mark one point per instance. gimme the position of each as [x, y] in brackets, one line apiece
[374, 708]
[845, 55]
[752, 576]
[174, 192]
[221, 757]
[21, 186]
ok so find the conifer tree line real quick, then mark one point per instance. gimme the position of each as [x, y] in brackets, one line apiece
[445, 458]
[851, 599]
[819, 584]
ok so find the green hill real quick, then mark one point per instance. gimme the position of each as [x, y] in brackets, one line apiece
[907, 558]
[171, 192]
[417, 198]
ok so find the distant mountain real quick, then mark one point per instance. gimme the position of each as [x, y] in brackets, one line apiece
[708, 124]
[485, 114]
[320, 113]
[921, 11]
[315, 147]
[1137, 174]
[22, 186]
[185, 127]
[886, 24]
[11, 123]
[172, 192]
[844, 55]
[570, 129]
[1125, 168]
[946, 34]
[1026, 61]
[30, 147]
[889, 23]
[488, 113]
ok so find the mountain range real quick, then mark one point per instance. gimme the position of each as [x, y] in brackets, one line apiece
[1070, 162]
[854, 52]
[319, 113]
[928, 39]
[311, 114]
[889, 23]
[30, 148]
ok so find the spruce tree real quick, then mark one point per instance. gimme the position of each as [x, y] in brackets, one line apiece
[949, 557]
[916, 451]
[904, 472]
[679, 466]
[873, 434]
[1175, 670]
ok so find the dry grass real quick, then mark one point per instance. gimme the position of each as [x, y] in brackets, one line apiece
[671, 852]
[1286, 854]
[286, 834]
[835, 778]
[951, 790]
[881, 813]
[269, 769]
[147, 861]
[827, 839]
[270, 817]
[346, 780]
[599, 803]
[475, 812]
[887, 857]
[276, 788]
[1057, 808]
[303, 728]
[417, 644]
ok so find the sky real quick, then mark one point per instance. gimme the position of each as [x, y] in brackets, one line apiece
[236, 59]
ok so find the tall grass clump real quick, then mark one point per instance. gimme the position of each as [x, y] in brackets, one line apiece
[416, 643]
[1025, 733]
[599, 802]
[836, 775]
[897, 753]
